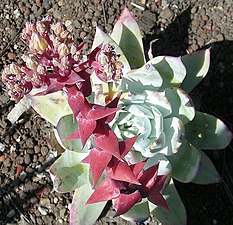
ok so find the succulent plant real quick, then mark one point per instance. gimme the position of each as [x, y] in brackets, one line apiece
[127, 126]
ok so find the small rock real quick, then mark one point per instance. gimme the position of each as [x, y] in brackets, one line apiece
[11, 213]
[43, 211]
[195, 23]
[33, 200]
[44, 150]
[219, 37]
[27, 159]
[167, 14]
[22, 195]
[22, 175]
[2, 147]
[55, 200]
[200, 41]
[11, 55]
[37, 149]
[30, 143]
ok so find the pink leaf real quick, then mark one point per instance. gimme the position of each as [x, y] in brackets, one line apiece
[73, 79]
[75, 99]
[107, 190]
[126, 202]
[99, 112]
[121, 171]
[137, 168]
[148, 177]
[85, 128]
[108, 142]
[158, 199]
[98, 161]
[112, 104]
[126, 145]
[73, 136]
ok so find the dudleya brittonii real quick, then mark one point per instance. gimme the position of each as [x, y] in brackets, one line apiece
[155, 136]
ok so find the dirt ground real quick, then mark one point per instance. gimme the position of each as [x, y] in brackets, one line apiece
[178, 27]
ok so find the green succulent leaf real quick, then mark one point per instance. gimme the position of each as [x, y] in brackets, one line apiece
[139, 80]
[174, 130]
[181, 103]
[176, 215]
[82, 213]
[185, 163]
[207, 132]
[51, 106]
[207, 173]
[65, 127]
[138, 213]
[171, 69]
[125, 29]
[197, 65]
[68, 173]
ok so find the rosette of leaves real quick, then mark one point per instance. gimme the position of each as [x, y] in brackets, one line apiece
[155, 104]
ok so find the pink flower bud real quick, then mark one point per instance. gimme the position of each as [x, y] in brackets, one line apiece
[40, 27]
[64, 34]
[40, 69]
[57, 28]
[63, 50]
[39, 43]
[31, 62]
[15, 69]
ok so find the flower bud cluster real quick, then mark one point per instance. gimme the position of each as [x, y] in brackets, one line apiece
[52, 55]
[15, 81]
[109, 67]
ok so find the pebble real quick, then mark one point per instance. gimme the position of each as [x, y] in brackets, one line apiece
[11, 55]
[44, 150]
[27, 159]
[22, 175]
[43, 211]
[55, 200]
[219, 37]
[11, 213]
[167, 14]
[30, 143]
[37, 149]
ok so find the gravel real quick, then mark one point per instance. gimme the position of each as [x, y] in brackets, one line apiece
[179, 27]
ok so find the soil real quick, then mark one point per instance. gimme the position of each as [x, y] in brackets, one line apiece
[178, 27]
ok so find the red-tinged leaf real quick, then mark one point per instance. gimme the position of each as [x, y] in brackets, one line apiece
[85, 87]
[107, 190]
[98, 161]
[160, 181]
[108, 142]
[158, 199]
[126, 202]
[80, 46]
[73, 136]
[137, 167]
[95, 51]
[73, 79]
[86, 160]
[98, 112]
[75, 99]
[120, 170]
[86, 129]
[148, 177]
[112, 104]
[53, 86]
[82, 67]
[126, 145]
